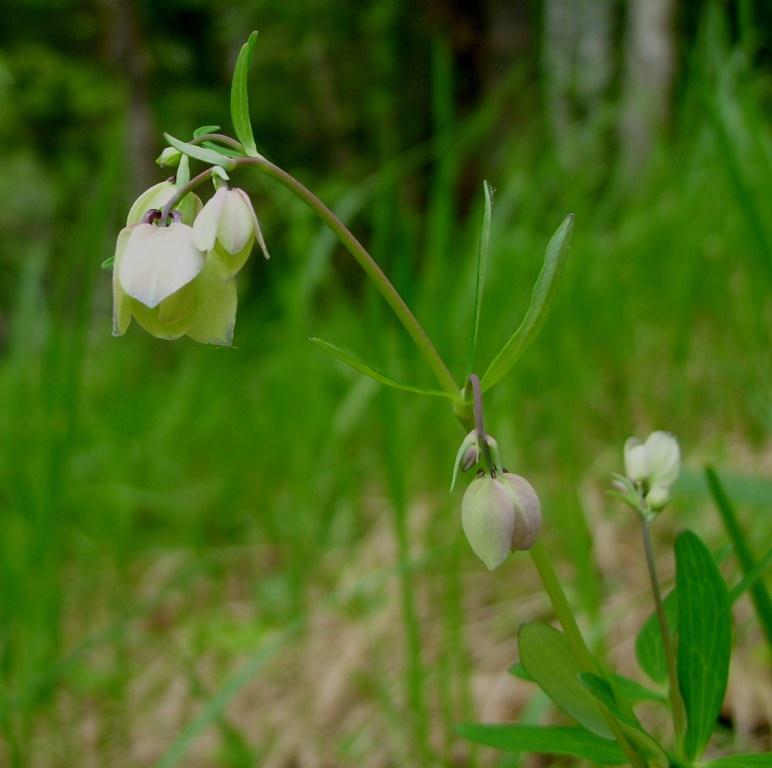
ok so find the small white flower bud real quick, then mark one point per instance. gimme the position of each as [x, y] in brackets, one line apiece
[636, 460]
[499, 515]
[657, 498]
[169, 158]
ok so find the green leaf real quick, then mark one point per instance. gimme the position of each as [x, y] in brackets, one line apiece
[240, 98]
[742, 761]
[222, 150]
[200, 153]
[108, 262]
[612, 698]
[482, 267]
[649, 648]
[750, 578]
[518, 670]
[204, 129]
[541, 300]
[759, 595]
[704, 644]
[553, 740]
[354, 362]
[547, 657]
[633, 691]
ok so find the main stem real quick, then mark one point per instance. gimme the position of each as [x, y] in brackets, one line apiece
[676, 702]
[368, 264]
[575, 640]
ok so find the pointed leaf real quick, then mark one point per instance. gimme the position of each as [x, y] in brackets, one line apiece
[553, 740]
[704, 644]
[227, 151]
[634, 692]
[541, 300]
[200, 153]
[204, 129]
[240, 98]
[354, 362]
[482, 267]
[548, 659]
[649, 648]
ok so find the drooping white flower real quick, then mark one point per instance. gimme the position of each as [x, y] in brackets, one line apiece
[163, 281]
[156, 197]
[227, 228]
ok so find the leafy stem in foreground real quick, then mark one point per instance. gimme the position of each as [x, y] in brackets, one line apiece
[676, 702]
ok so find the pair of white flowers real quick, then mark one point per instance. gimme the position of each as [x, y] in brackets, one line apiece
[653, 466]
[178, 280]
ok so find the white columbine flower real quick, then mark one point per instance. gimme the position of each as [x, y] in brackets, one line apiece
[165, 282]
[654, 463]
[227, 228]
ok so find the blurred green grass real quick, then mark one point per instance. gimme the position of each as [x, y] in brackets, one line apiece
[133, 469]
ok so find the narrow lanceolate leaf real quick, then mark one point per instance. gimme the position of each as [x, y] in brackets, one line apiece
[547, 657]
[634, 692]
[704, 644]
[200, 153]
[541, 300]
[749, 579]
[482, 267]
[242, 125]
[354, 362]
[649, 648]
[612, 698]
[551, 740]
[760, 598]
[760, 760]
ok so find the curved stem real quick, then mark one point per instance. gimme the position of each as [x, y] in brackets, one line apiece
[368, 264]
[195, 182]
[573, 634]
[482, 438]
[219, 138]
[676, 702]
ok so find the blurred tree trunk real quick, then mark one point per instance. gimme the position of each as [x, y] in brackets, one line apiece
[128, 54]
[578, 65]
[649, 71]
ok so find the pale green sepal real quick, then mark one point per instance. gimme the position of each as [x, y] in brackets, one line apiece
[171, 318]
[121, 301]
[353, 362]
[240, 98]
[229, 264]
[236, 228]
[183, 172]
[200, 153]
[214, 317]
[488, 520]
[468, 442]
[541, 300]
[154, 198]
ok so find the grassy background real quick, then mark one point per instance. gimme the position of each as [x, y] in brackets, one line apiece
[249, 556]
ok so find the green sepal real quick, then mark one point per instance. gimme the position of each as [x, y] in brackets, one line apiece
[242, 125]
[201, 153]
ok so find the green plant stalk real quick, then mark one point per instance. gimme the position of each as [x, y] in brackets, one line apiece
[368, 264]
[574, 636]
[759, 594]
[674, 693]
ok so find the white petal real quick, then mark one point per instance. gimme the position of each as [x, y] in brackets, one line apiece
[155, 197]
[236, 227]
[121, 302]
[158, 261]
[664, 458]
[205, 225]
[255, 222]
[637, 466]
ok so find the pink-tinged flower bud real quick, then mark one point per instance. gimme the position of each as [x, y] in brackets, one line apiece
[227, 228]
[500, 514]
[470, 457]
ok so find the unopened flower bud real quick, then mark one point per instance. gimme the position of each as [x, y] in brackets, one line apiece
[470, 457]
[500, 514]
[227, 228]
[169, 158]
[655, 462]
[657, 498]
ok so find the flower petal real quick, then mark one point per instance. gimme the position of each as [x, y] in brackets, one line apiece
[236, 228]
[664, 458]
[255, 222]
[158, 261]
[171, 318]
[215, 314]
[205, 225]
[121, 302]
